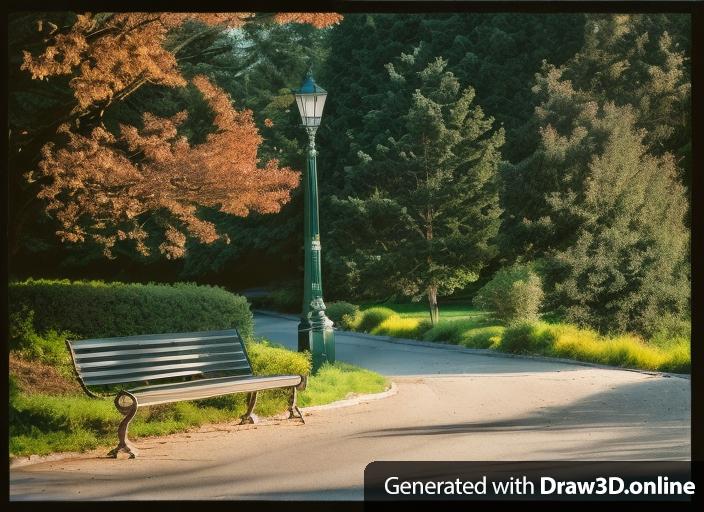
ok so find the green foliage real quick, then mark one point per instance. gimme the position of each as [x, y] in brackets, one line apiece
[343, 314]
[92, 309]
[268, 359]
[514, 294]
[373, 317]
[448, 331]
[482, 337]
[607, 215]
[423, 205]
[402, 327]
[569, 341]
[469, 332]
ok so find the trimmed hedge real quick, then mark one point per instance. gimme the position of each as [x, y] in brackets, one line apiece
[94, 309]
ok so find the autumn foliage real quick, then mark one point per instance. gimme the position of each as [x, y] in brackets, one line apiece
[101, 185]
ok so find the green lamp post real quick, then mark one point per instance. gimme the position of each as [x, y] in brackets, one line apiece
[315, 332]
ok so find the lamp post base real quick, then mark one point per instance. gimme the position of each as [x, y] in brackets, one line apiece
[319, 339]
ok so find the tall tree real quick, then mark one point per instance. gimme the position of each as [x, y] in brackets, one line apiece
[636, 60]
[425, 203]
[606, 214]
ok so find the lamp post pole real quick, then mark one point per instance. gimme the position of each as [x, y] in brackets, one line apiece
[315, 330]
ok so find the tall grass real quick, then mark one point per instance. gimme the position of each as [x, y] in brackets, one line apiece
[569, 341]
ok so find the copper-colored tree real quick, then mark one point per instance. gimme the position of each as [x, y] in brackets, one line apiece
[101, 185]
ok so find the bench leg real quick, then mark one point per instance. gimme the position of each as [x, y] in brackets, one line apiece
[293, 410]
[249, 417]
[126, 403]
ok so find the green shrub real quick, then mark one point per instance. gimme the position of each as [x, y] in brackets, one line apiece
[570, 341]
[92, 309]
[450, 331]
[372, 317]
[343, 314]
[527, 338]
[669, 330]
[514, 294]
[268, 359]
[482, 337]
[402, 327]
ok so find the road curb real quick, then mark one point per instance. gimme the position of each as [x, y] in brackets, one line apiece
[348, 402]
[482, 351]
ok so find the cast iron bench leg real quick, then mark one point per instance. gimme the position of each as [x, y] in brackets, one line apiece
[293, 410]
[249, 417]
[126, 403]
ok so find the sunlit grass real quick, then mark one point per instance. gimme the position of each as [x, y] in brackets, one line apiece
[572, 342]
[401, 327]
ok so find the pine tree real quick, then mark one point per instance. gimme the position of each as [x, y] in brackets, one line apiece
[425, 207]
[606, 214]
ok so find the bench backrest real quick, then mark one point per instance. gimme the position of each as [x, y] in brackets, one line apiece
[157, 357]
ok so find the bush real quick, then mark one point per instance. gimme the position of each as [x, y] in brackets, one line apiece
[402, 327]
[527, 338]
[343, 314]
[94, 309]
[268, 359]
[569, 341]
[514, 294]
[482, 337]
[372, 317]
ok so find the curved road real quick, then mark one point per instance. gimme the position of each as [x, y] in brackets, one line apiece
[450, 405]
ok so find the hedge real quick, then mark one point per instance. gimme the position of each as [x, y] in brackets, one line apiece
[95, 309]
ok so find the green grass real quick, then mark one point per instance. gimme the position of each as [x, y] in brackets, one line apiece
[453, 310]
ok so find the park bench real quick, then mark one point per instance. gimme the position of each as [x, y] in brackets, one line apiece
[164, 368]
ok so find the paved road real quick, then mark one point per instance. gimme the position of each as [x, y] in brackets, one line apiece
[498, 409]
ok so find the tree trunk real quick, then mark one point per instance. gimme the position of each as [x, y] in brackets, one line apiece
[433, 303]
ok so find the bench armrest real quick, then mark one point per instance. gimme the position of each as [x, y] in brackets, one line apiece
[303, 384]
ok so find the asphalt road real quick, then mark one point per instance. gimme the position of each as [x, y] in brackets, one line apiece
[449, 406]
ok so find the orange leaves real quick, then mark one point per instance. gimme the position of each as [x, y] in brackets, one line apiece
[102, 186]
[317, 19]
[119, 179]
[111, 55]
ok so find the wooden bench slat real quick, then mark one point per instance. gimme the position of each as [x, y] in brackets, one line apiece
[173, 348]
[155, 359]
[139, 342]
[208, 388]
[140, 378]
[231, 333]
[156, 370]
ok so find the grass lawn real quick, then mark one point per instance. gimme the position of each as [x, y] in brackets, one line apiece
[419, 310]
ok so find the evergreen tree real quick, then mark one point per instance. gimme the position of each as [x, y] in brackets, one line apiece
[425, 209]
[606, 214]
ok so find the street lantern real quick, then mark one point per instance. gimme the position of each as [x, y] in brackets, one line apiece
[310, 99]
[315, 330]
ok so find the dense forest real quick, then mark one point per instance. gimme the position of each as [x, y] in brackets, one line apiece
[452, 146]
